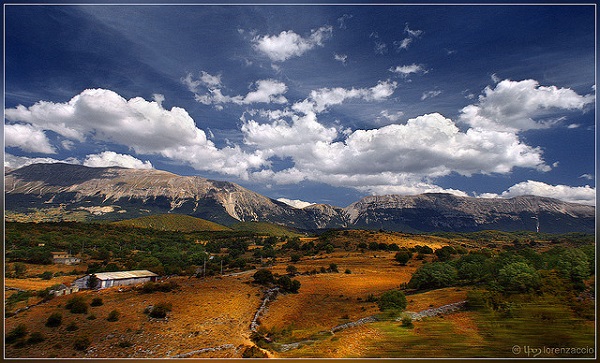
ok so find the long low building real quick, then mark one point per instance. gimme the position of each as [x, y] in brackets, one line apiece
[119, 278]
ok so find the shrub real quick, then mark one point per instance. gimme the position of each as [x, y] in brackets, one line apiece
[151, 287]
[72, 326]
[292, 270]
[97, 301]
[433, 275]
[403, 257]
[392, 300]
[91, 317]
[20, 331]
[82, 343]
[54, 320]
[77, 305]
[407, 321]
[160, 310]
[46, 275]
[113, 316]
[125, 344]
[348, 272]
[36, 337]
[263, 277]
[333, 267]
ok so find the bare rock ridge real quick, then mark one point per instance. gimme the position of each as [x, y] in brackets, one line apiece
[118, 193]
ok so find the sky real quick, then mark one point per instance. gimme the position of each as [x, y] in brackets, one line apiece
[311, 104]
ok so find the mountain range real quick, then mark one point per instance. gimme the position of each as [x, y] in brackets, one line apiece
[115, 193]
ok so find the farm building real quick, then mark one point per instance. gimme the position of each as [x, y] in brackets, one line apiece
[64, 258]
[63, 289]
[119, 278]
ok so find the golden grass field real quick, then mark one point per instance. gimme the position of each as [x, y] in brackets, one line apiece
[213, 311]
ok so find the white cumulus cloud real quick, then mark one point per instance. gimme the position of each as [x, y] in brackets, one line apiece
[319, 100]
[15, 162]
[521, 105]
[111, 158]
[264, 91]
[582, 195]
[288, 44]
[407, 70]
[143, 126]
[27, 138]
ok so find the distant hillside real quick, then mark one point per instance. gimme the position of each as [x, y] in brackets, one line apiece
[173, 222]
[265, 228]
[59, 192]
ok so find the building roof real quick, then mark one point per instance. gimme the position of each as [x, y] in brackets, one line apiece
[119, 275]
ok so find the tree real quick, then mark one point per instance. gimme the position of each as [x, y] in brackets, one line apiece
[573, 264]
[93, 282]
[518, 277]
[403, 257]
[392, 300]
[263, 277]
[295, 257]
[445, 253]
[291, 269]
[333, 267]
[433, 275]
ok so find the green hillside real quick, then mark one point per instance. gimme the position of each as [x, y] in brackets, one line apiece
[173, 222]
[265, 228]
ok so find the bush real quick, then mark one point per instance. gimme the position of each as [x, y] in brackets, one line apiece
[263, 277]
[20, 331]
[348, 272]
[97, 301]
[113, 316]
[292, 270]
[160, 310]
[295, 257]
[82, 343]
[77, 305]
[46, 275]
[333, 267]
[36, 337]
[151, 287]
[54, 320]
[433, 275]
[407, 321]
[91, 317]
[72, 326]
[392, 300]
[403, 257]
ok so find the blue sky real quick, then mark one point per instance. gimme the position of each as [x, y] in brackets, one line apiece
[320, 103]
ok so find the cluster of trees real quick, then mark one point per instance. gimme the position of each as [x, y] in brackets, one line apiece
[285, 283]
[515, 271]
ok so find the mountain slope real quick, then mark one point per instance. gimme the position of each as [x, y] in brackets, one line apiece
[173, 222]
[118, 193]
[446, 212]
